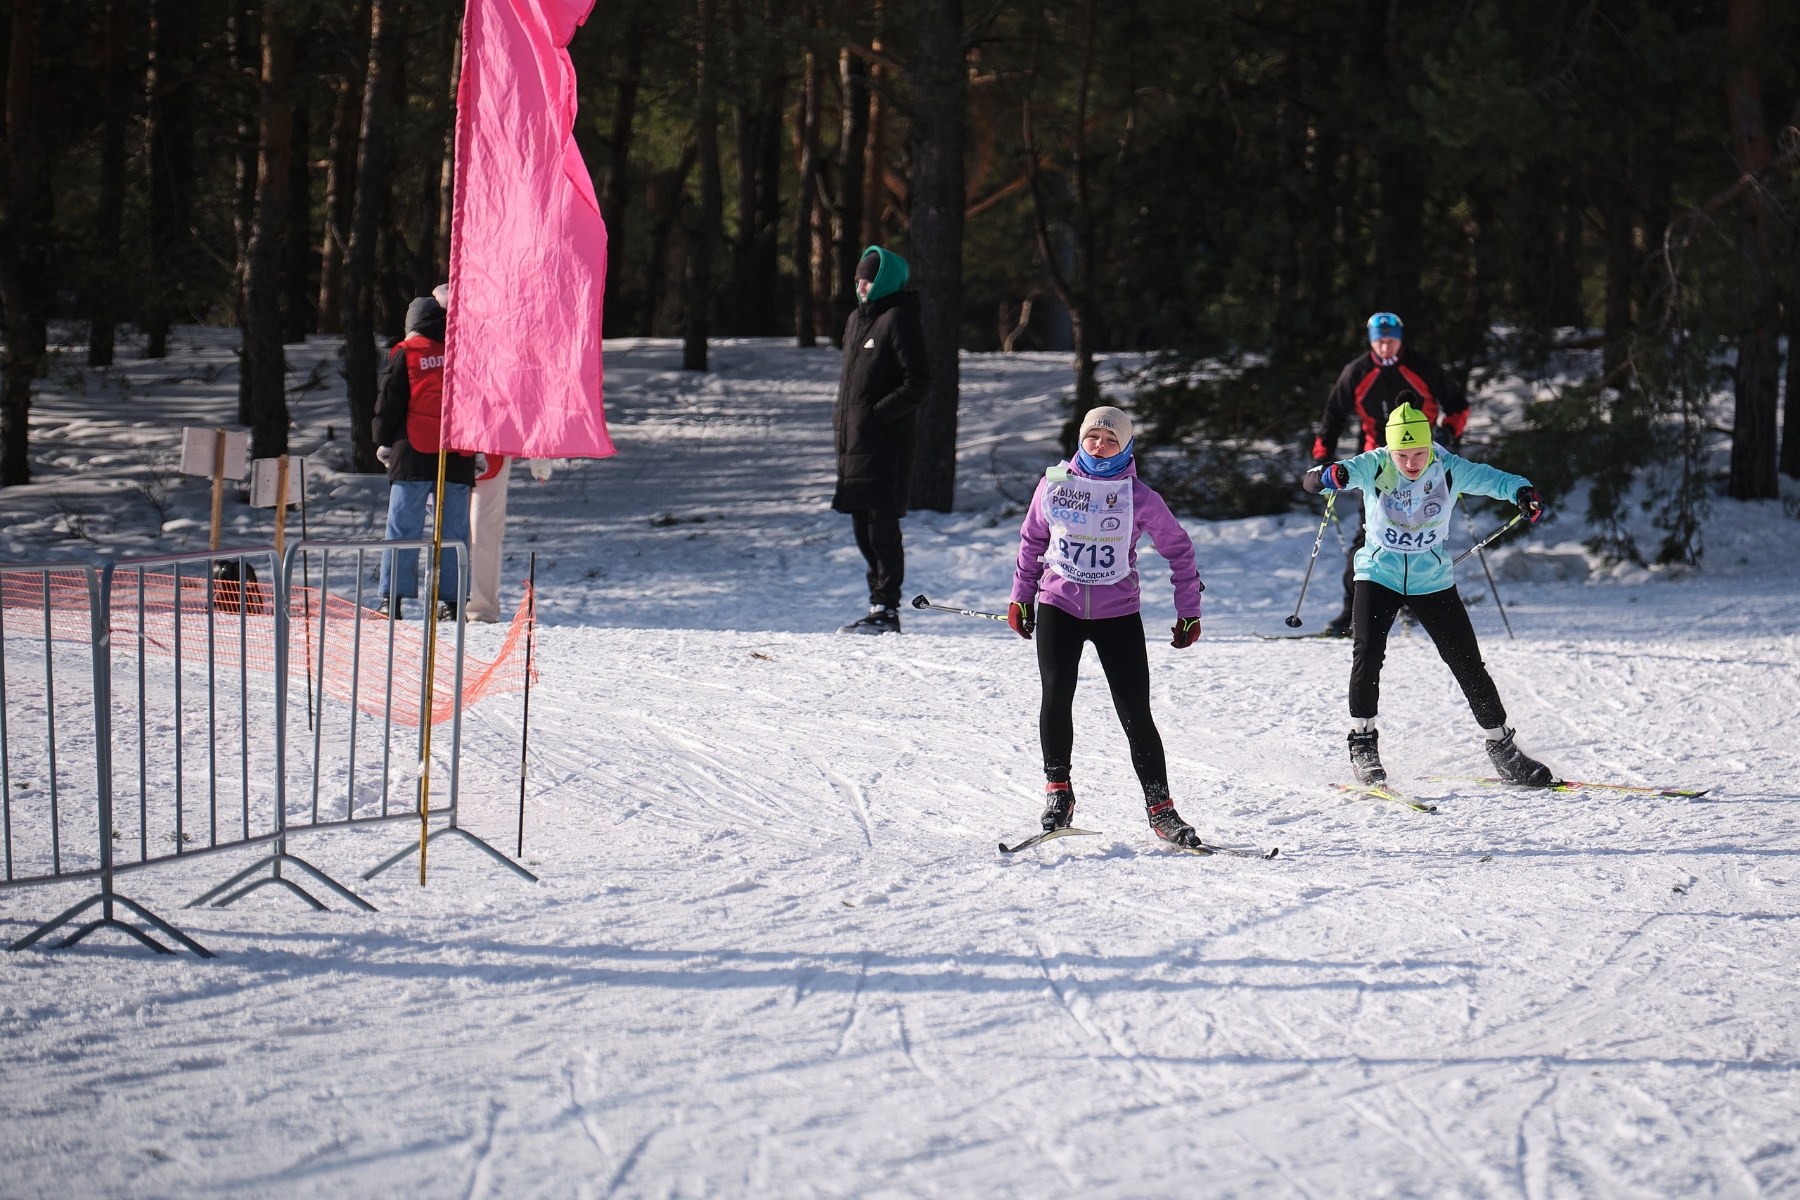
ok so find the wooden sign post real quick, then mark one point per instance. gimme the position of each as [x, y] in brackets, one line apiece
[222, 454]
[273, 484]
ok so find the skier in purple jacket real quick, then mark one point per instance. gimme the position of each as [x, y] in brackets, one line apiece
[1083, 524]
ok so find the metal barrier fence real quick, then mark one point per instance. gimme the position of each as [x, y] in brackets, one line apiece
[40, 824]
[189, 664]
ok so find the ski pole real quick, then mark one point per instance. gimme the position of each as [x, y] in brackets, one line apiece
[525, 725]
[1492, 586]
[1293, 621]
[920, 601]
[1488, 540]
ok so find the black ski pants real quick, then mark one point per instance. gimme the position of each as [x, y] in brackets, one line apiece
[1443, 617]
[1120, 643]
[878, 537]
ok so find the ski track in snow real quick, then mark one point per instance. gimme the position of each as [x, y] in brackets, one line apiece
[774, 952]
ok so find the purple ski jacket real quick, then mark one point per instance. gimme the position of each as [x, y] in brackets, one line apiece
[1031, 581]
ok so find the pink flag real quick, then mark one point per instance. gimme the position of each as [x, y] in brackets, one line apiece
[527, 245]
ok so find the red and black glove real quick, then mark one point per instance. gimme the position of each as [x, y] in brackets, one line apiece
[1020, 616]
[1326, 477]
[1186, 632]
[1530, 503]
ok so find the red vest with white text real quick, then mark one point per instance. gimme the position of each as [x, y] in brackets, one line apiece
[425, 387]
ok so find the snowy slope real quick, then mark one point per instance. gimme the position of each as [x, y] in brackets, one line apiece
[774, 952]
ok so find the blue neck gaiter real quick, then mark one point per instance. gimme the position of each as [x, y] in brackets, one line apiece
[1105, 468]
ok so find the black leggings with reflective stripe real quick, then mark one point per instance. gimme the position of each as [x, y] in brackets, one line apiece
[1120, 644]
[1443, 616]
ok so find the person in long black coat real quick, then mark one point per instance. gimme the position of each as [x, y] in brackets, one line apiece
[883, 383]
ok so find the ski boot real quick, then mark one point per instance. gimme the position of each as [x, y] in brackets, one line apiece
[1338, 626]
[1167, 824]
[1059, 806]
[1515, 766]
[880, 619]
[1365, 757]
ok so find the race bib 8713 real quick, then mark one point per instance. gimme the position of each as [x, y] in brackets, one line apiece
[1090, 529]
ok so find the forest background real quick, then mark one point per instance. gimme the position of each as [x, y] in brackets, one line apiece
[1226, 188]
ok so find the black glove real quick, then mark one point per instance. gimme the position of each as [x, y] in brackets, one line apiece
[1186, 632]
[1530, 503]
[1447, 438]
[1020, 616]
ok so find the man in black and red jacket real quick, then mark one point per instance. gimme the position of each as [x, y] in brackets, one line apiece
[408, 419]
[1370, 387]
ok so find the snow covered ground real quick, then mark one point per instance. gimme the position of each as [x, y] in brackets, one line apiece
[775, 953]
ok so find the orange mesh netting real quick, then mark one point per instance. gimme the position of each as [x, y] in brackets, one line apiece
[343, 649]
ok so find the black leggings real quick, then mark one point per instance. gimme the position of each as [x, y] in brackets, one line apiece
[1120, 643]
[1447, 621]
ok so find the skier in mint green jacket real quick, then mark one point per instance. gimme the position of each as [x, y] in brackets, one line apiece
[1409, 490]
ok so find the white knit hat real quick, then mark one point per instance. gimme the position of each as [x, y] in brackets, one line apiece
[1107, 417]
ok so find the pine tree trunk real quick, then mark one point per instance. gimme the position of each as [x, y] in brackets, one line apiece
[663, 202]
[623, 301]
[1753, 445]
[296, 285]
[265, 364]
[1790, 418]
[340, 176]
[358, 305]
[24, 230]
[1621, 273]
[394, 283]
[936, 205]
[103, 299]
[853, 144]
[757, 129]
[169, 156]
[446, 187]
[874, 197]
[806, 125]
[697, 309]
[245, 54]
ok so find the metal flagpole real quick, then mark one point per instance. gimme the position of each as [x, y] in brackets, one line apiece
[431, 628]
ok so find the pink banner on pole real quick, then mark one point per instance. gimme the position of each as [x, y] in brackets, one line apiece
[522, 373]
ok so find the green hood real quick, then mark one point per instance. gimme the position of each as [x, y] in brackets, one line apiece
[890, 277]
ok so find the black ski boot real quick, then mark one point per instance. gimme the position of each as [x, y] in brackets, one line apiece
[879, 620]
[1515, 766]
[1167, 823]
[1365, 757]
[1338, 626]
[1059, 806]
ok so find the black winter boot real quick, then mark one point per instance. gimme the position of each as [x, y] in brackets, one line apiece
[878, 620]
[1167, 823]
[1365, 757]
[1515, 766]
[1059, 806]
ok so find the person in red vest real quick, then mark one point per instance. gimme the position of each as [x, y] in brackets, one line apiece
[408, 415]
[1370, 387]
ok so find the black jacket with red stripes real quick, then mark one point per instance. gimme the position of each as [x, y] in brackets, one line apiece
[1368, 391]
